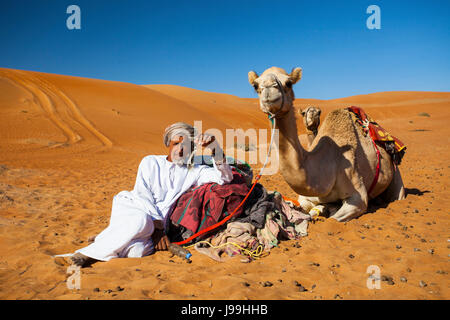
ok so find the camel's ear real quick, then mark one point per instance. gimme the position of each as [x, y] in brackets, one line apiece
[302, 112]
[252, 76]
[295, 75]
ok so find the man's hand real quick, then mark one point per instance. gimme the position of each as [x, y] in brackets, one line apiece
[160, 240]
[209, 141]
[205, 140]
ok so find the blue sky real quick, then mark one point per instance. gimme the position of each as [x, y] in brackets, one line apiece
[211, 45]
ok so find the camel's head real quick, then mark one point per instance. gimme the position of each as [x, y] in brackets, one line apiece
[274, 88]
[311, 117]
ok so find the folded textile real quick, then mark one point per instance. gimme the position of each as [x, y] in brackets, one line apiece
[242, 234]
[283, 222]
[258, 203]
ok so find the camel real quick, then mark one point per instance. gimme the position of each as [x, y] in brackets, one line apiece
[339, 166]
[311, 119]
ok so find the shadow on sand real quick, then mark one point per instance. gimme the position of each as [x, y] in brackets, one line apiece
[415, 192]
[379, 203]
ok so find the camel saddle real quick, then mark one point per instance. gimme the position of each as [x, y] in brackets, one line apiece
[391, 144]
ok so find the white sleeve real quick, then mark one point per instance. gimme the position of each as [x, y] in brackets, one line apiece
[220, 174]
[143, 187]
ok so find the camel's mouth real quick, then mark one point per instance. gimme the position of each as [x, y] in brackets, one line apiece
[271, 106]
[274, 108]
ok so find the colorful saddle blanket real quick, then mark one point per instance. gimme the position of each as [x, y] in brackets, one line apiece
[391, 144]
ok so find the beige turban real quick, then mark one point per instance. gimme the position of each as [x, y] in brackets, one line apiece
[178, 129]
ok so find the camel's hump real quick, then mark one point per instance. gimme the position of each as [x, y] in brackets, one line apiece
[339, 126]
[339, 118]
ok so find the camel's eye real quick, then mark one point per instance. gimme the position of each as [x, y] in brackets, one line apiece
[255, 85]
[289, 84]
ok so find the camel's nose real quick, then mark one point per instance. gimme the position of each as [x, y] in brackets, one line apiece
[270, 95]
[266, 95]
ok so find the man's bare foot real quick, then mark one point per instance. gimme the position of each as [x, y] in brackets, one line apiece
[81, 260]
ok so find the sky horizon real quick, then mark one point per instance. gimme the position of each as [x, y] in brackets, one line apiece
[211, 46]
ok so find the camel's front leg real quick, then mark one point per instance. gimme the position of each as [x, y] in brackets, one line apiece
[307, 203]
[352, 207]
[312, 205]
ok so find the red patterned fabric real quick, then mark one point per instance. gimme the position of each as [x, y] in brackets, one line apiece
[375, 130]
[204, 206]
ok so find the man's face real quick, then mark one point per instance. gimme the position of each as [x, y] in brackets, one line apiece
[179, 150]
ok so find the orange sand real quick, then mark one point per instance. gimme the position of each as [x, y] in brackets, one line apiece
[69, 144]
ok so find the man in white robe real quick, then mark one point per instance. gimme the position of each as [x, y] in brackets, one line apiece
[136, 223]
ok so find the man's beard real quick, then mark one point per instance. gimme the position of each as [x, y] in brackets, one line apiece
[180, 161]
[183, 161]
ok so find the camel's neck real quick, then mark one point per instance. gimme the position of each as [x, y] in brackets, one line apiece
[292, 155]
[310, 135]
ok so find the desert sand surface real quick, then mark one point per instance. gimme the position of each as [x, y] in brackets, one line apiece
[69, 144]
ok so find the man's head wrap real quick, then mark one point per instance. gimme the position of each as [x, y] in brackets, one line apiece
[179, 129]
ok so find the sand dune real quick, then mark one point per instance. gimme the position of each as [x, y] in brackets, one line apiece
[69, 144]
[233, 110]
